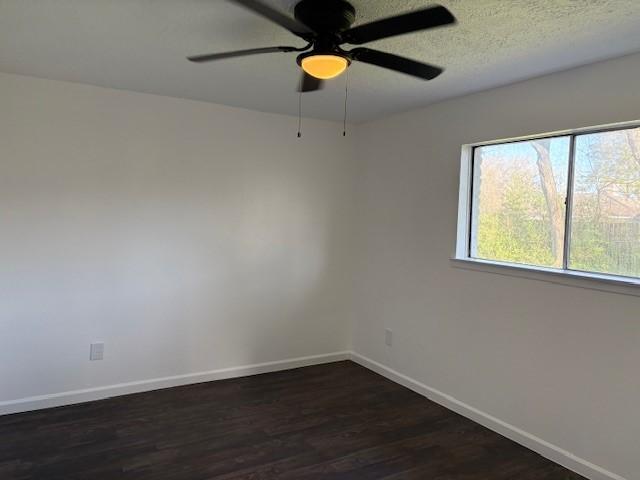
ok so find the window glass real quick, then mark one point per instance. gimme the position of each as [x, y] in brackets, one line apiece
[605, 223]
[518, 201]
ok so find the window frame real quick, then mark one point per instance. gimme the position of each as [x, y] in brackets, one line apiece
[462, 257]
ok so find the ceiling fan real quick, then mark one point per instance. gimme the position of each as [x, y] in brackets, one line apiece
[326, 25]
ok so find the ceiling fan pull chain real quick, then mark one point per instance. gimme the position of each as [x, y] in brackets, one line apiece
[300, 113]
[346, 95]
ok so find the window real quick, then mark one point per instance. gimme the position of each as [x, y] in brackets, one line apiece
[563, 202]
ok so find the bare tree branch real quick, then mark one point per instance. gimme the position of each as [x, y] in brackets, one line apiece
[554, 207]
[633, 139]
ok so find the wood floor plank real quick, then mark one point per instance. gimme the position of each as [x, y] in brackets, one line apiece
[336, 421]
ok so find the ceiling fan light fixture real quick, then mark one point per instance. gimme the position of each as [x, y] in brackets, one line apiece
[324, 66]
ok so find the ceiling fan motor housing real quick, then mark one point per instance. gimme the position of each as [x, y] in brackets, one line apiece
[314, 53]
[325, 16]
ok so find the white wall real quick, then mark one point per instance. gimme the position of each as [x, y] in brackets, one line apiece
[558, 362]
[187, 236]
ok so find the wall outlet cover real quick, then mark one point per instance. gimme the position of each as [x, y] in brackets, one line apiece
[96, 351]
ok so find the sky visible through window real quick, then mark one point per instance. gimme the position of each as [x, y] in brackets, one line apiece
[559, 152]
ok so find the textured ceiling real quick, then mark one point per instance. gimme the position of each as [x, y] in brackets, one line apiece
[141, 45]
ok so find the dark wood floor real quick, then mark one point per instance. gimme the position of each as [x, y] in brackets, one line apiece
[334, 421]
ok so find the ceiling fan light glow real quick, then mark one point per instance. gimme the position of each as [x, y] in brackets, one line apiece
[324, 66]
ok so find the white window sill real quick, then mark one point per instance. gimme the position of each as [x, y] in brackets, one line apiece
[592, 281]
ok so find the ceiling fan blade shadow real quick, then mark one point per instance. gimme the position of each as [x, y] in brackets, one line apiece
[427, 18]
[309, 83]
[294, 26]
[396, 63]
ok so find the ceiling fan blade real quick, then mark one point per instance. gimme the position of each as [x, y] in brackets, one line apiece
[431, 17]
[394, 62]
[309, 83]
[240, 53]
[291, 24]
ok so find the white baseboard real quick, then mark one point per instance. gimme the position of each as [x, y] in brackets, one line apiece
[98, 393]
[544, 448]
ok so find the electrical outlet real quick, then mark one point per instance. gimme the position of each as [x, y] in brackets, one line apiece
[97, 351]
[388, 337]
